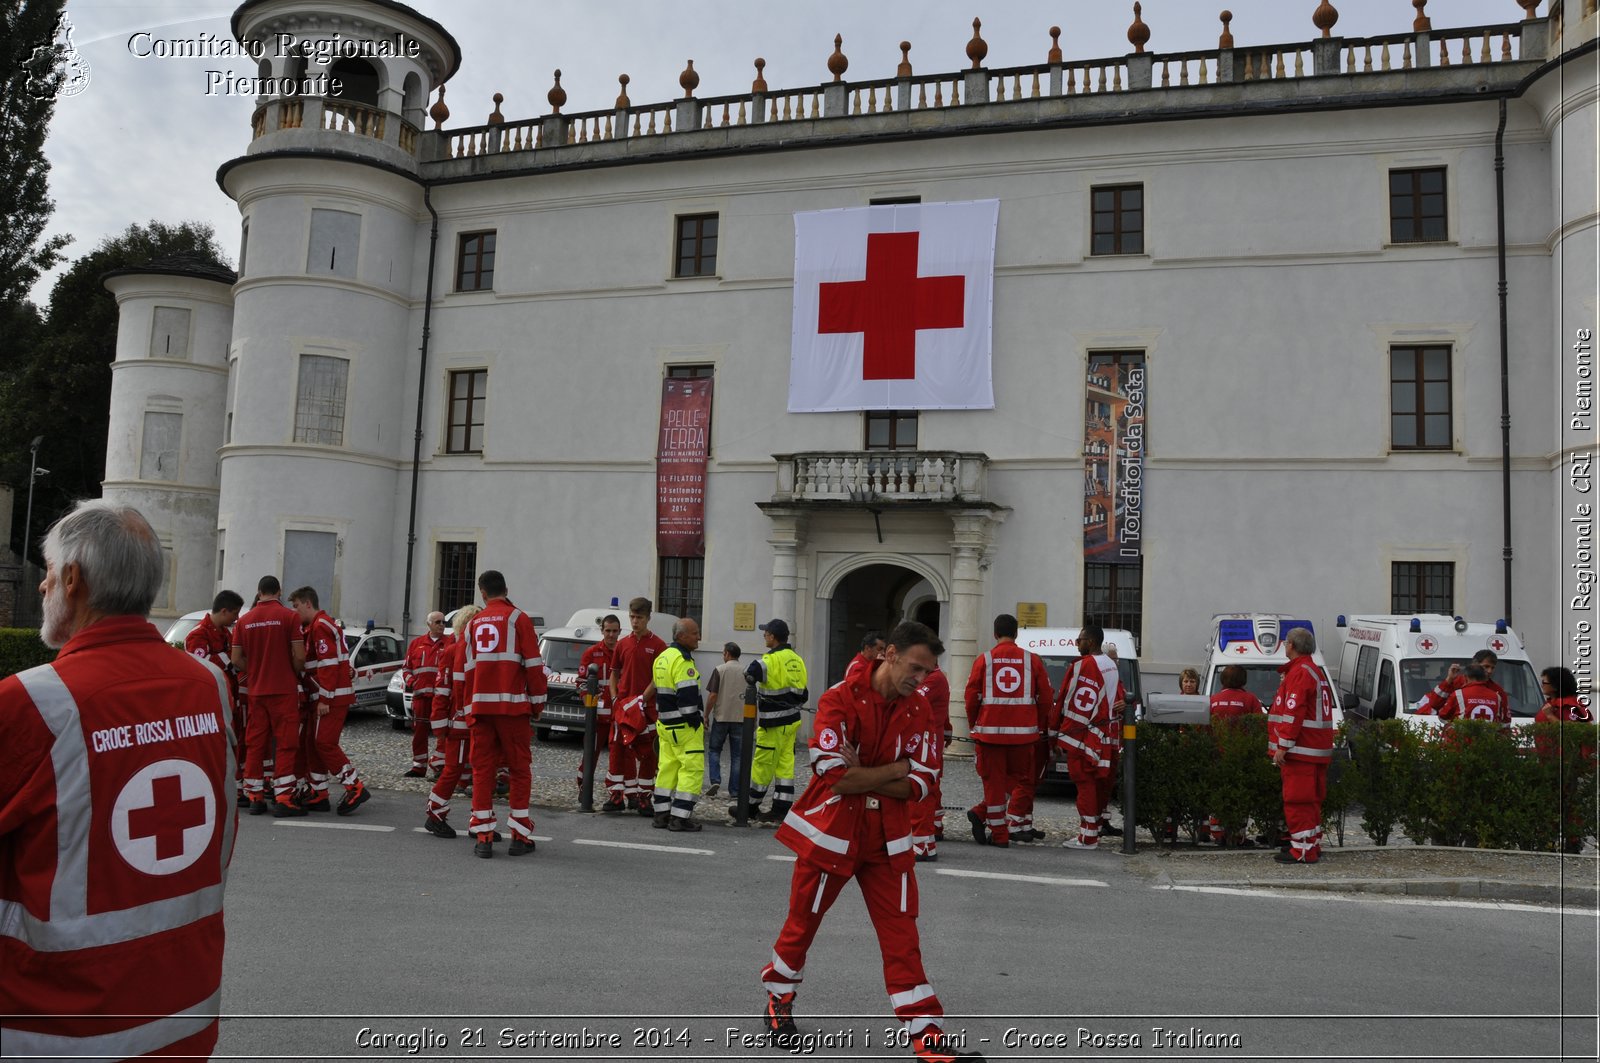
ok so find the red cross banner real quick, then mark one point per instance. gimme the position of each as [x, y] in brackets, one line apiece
[893, 308]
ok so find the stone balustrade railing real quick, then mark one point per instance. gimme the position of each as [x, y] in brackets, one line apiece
[871, 476]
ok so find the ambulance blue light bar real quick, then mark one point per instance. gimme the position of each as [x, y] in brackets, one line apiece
[1234, 631]
[1289, 625]
[1416, 624]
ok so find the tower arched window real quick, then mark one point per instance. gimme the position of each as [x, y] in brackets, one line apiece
[359, 81]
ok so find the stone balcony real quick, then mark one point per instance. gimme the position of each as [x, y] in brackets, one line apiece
[881, 477]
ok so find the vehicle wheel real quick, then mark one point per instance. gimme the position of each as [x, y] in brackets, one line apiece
[399, 725]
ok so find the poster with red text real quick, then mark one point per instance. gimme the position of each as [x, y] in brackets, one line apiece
[681, 452]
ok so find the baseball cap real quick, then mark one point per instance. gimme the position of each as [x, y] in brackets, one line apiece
[777, 629]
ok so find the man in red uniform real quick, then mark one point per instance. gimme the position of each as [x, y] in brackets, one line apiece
[328, 665]
[505, 691]
[871, 650]
[1008, 712]
[597, 659]
[269, 650]
[1300, 735]
[1477, 698]
[452, 702]
[1089, 730]
[633, 675]
[1433, 702]
[423, 679]
[209, 640]
[870, 761]
[115, 824]
[927, 815]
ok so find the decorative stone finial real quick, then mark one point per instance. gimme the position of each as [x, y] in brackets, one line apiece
[1530, 8]
[1422, 23]
[1325, 17]
[1055, 45]
[439, 112]
[622, 95]
[495, 117]
[760, 83]
[977, 48]
[689, 79]
[1138, 33]
[1225, 42]
[904, 69]
[557, 95]
[837, 63]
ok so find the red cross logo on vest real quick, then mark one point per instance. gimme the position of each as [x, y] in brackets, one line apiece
[165, 817]
[1007, 679]
[891, 306]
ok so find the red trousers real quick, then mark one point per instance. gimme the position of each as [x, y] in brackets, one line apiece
[274, 718]
[925, 817]
[1095, 787]
[891, 898]
[421, 729]
[498, 740]
[1305, 784]
[1003, 770]
[1019, 812]
[454, 742]
[326, 757]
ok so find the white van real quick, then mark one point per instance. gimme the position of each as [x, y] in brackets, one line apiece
[1254, 642]
[563, 647]
[1058, 648]
[1389, 662]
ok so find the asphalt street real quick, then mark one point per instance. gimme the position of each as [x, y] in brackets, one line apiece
[364, 938]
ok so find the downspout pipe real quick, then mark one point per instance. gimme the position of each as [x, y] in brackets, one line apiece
[422, 392]
[1505, 357]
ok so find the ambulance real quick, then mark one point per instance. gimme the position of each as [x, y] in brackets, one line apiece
[562, 648]
[1058, 648]
[1254, 642]
[1389, 662]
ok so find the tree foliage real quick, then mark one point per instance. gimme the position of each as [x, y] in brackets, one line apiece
[29, 79]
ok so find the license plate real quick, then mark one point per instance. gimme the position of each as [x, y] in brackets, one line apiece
[559, 727]
[369, 697]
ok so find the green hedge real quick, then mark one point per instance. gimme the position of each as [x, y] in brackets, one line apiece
[20, 649]
[1470, 786]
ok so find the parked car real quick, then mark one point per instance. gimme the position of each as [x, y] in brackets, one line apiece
[562, 648]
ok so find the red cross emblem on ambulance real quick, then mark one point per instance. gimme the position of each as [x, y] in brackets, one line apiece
[1426, 644]
[1497, 644]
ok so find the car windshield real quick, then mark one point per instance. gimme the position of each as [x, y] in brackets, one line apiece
[1418, 675]
[1127, 670]
[563, 655]
[1260, 679]
[180, 630]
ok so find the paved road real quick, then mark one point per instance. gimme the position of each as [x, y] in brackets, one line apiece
[360, 938]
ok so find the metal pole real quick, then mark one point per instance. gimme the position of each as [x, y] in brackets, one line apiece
[1130, 756]
[33, 474]
[591, 699]
[747, 755]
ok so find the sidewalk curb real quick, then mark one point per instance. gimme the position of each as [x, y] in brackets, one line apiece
[1571, 896]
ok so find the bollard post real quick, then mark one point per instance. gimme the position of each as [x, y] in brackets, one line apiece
[747, 754]
[591, 699]
[1130, 754]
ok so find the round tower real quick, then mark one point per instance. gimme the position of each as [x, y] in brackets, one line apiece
[323, 328]
[169, 387]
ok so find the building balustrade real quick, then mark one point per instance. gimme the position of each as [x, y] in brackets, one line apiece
[878, 476]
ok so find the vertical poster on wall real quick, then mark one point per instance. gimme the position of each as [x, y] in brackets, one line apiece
[1113, 458]
[681, 454]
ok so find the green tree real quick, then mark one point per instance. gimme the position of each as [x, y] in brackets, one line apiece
[30, 77]
[60, 386]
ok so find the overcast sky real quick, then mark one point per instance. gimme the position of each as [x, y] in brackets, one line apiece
[143, 140]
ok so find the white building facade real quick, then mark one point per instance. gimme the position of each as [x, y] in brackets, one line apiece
[445, 349]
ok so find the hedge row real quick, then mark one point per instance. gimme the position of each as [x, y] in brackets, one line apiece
[20, 649]
[1470, 786]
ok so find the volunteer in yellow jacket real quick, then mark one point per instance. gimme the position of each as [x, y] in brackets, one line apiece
[679, 729]
[780, 679]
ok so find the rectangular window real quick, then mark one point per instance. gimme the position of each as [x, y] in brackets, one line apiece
[335, 240]
[319, 400]
[681, 590]
[894, 201]
[1419, 398]
[1416, 206]
[458, 575]
[222, 550]
[1423, 587]
[1113, 595]
[475, 262]
[169, 332]
[1118, 220]
[891, 429]
[163, 435]
[697, 246]
[244, 243]
[468, 389]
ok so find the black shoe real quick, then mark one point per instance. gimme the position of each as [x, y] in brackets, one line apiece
[415, 773]
[354, 798]
[1286, 858]
[613, 806]
[931, 1047]
[980, 833]
[243, 800]
[661, 818]
[286, 810]
[780, 1018]
[927, 858]
[1036, 835]
[260, 806]
[438, 827]
[683, 824]
[483, 849]
[711, 791]
[518, 847]
[644, 807]
[321, 804]
[1108, 831]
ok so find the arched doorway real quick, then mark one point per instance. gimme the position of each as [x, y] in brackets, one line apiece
[875, 598]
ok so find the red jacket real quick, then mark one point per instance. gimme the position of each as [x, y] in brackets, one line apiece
[504, 672]
[211, 644]
[1088, 719]
[1564, 710]
[1433, 702]
[599, 656]
[1301, 719]
[824, 828]
[1008, 697]
[265, 634]
[1229, 704]
[634, 661]
[328, 663]
[859, 664]
[116, 826]
[451, 702]
[937, 690]
[1481, 700]
[423, 674]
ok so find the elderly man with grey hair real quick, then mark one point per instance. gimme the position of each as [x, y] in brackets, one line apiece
[116, 825]
[1300, 740]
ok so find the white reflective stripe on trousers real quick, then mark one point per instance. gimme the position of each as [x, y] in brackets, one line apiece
[137, 1041]
[70, 926]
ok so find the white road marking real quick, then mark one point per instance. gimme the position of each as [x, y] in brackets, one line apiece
[642, 845]
[784, 859]
[1368, 898]
[1046, 880]
[467, 834]
[332, 826]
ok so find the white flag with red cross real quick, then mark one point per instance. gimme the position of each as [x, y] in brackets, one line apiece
[894, 308]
